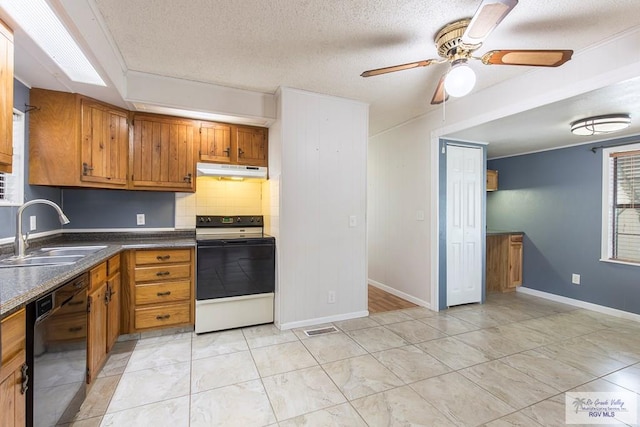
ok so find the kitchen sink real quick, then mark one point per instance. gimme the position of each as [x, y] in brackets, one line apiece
[59, 255]
[68, 250]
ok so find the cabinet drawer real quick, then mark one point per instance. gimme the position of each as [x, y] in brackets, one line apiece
[97, 276]
[113, 265]
[153, 293]
[14, 334]
[515, 237]
[163, 256]
[163, 272]
[162, 316]
[69, 328]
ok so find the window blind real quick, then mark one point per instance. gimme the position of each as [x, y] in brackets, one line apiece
[625, 206]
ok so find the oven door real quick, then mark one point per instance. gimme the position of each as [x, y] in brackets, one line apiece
[237, 267]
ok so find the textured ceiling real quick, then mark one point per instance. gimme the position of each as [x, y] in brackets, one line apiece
[323, 46]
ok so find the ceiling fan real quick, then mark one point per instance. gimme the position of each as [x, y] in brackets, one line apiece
[457, 41]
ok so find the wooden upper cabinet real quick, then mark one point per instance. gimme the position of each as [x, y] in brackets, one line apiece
[492, 180]
[77, 141]
[6, 98]
[163, 153]
[105, 144]
[251, 145]
[215, 142]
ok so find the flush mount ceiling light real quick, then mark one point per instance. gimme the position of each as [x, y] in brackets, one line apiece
[599, 125]
[460, 80]
[42, 25]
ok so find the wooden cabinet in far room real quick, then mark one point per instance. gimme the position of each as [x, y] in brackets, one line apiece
[163, 153]
[6, 98]
[77, 141]
[251, 145]
[14, 371]
[158, 290]
[504, 262]
[492, 180]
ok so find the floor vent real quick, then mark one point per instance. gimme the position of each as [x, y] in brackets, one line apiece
[320, 331]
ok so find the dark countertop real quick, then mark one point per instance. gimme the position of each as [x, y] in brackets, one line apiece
[21, 285]
[502, 232]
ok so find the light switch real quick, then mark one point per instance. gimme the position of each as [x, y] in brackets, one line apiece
[140, 219]
[419, 215]
[32, 223]
[352, 221]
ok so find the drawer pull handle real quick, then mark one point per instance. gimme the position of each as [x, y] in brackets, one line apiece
[163, 273]
[163, 257]
[75, 329]
[76, 303]
[25, 379]
[163, 317]
[164, 294]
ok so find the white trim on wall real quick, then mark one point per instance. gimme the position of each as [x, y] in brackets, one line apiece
[400, 294]
[581, 304]
[323, 320]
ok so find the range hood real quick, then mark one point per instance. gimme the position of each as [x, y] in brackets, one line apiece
[233, 172]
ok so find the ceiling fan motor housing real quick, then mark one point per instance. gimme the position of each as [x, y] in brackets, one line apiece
[449, 40]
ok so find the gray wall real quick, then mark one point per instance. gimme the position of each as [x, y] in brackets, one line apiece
[118, 208]
[47, 219]
[555, 198]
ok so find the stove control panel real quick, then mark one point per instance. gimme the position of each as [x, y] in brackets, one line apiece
[229, 221]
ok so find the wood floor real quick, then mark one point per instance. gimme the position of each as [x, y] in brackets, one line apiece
[380, 301]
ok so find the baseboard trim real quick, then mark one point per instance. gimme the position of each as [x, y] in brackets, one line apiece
[400, 294]
[581, 304]
[321, 320]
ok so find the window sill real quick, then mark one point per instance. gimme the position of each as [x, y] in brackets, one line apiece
[614, 261]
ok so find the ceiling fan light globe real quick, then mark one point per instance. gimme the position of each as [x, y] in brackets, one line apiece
[460, 80]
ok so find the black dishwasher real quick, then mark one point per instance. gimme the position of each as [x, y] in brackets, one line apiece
[57, 353]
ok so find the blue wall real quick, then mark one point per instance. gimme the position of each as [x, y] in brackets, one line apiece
[118, 208]
[555, 198]
[47, 217]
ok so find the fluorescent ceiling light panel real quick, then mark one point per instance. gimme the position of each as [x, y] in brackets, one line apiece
[40, 23]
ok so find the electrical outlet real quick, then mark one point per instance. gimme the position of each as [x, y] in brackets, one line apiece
[575, 279]
[32, 223]
[352, 221]
[331, 297]
[420, 215]
[140, 219]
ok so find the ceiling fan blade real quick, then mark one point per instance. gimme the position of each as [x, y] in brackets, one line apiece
[440, 95]
[385, 70]
[487, 17]
[535, 58]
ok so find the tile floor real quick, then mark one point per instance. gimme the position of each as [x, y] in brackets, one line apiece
[504, 363]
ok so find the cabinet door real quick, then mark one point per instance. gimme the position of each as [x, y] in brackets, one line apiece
[6, 98]
[12, 400]
[515, 261]
[215, 143]
[105, 144]
[163, 153]
[251, 146]
[113, 310]
[97, 331]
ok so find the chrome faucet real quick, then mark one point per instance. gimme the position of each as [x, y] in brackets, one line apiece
[21, 243]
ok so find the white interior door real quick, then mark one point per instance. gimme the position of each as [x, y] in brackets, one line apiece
[464, 222]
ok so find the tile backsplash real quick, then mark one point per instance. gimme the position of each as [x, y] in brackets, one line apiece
[217, 197]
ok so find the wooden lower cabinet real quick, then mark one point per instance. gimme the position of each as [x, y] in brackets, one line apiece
[104, 314]
[14, 371]
[504, 262]
[158, 290]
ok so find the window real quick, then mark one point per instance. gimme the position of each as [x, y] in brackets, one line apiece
[12, 184]
[621, 207]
